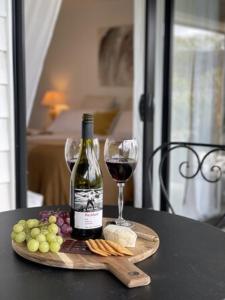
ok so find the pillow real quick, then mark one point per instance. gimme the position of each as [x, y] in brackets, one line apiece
[68, 121]
[98, 103]
[103, 121]
[123, 126]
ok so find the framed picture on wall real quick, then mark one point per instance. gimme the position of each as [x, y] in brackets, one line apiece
[115, 56]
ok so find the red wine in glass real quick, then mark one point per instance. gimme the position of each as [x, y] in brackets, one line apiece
[121, 168]
[121, 158]
[71, 163]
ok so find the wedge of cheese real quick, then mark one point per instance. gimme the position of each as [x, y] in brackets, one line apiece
[124, 236]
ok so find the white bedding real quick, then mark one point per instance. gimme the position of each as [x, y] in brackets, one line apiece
[51, 138]
[68, 121]
[56, 138]
[69, 124]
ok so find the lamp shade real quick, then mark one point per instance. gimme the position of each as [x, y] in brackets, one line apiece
[52, 98]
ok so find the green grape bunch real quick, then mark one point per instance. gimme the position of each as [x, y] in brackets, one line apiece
[38, 236]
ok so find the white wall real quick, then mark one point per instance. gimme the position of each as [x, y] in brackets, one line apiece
[71, 62]
[7, 147]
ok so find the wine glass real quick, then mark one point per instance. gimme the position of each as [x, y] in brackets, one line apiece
[121, 159]
[72, 150]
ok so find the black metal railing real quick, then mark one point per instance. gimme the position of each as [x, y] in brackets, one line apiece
[184, 167]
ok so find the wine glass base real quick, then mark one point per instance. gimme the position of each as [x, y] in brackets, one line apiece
[122, 222]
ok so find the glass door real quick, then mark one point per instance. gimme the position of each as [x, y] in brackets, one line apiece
[197, 100]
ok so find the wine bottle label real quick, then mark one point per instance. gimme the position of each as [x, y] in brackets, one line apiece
[87, 205]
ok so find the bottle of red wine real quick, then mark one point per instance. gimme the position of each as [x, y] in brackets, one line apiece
[86, 188]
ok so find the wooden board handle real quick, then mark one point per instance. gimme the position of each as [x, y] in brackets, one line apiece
[128, 273]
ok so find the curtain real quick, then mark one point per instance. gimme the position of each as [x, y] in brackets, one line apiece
[207, 102]
[40, 19]
[203, 199]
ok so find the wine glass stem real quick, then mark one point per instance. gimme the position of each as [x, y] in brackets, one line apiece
[120, 200]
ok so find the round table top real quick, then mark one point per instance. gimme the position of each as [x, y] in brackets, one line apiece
[190, 264]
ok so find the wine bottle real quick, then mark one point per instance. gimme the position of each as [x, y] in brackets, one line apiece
[86, 188]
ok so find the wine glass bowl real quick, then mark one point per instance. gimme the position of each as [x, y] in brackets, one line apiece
[121, 159]
[72, 151]
[120, 169]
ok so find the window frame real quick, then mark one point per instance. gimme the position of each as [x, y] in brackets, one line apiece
[19, 102]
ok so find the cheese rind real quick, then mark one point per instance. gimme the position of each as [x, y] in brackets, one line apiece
[124, 236]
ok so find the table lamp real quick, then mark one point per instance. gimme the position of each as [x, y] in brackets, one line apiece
[56, 102]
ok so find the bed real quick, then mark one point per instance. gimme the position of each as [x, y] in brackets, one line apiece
[47, 171]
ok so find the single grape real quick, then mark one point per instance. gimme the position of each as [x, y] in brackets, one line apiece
[60, 221]
[30, 223]
[67, 220]
[17, 228]
[53, 228]
[61, 214]
[13, 235]
[44, 247]
[59, 240]
[51, 237]
[20, 237]
[66, 229]
[41, 238]
[33, 245]
[65, 216]
[22, 222]
[54, 247]
[35, 222]
[34, 232]
[52, 219]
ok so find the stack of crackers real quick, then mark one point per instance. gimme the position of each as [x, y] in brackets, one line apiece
[107, 248]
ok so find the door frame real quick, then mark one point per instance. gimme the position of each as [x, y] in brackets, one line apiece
[148, 97]
[149, 94]
[167, 88]
[19, 102]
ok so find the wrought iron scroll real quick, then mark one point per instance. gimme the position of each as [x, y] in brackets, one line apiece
[168, 148]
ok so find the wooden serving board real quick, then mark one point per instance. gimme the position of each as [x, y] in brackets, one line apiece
[122, 267]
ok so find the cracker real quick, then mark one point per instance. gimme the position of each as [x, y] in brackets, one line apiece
[110, 249]
[96, 247]
[102, 248]
[96, 251]
[119, 248]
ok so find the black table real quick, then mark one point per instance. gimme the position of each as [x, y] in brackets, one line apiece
[190, 264]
